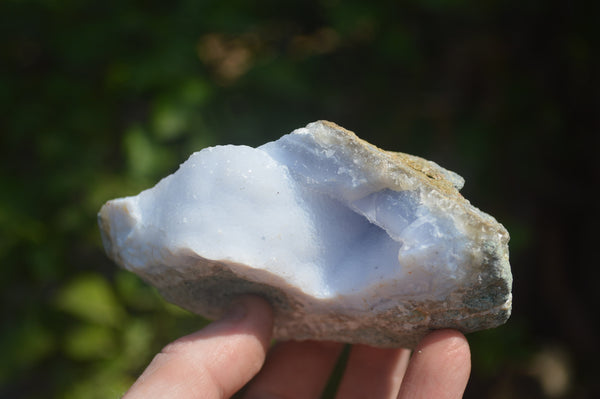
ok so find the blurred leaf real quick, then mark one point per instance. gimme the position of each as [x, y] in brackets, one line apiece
[137, 339]
[91, 298]
[136, 293]
[140, 154]
[146, 159]
[22, 346]
[90, 341]
[100, 385]
[498, 347]
[14, 225]
[169, 120]
[195, 91]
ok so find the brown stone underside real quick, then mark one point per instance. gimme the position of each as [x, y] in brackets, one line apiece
[209, 293]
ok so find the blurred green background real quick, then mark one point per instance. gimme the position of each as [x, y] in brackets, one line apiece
[101, 99]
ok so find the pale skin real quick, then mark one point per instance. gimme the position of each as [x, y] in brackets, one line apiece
[234, 352]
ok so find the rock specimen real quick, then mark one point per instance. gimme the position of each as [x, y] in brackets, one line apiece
[347, 241]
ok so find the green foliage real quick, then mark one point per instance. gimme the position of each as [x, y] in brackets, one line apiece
[101, 99]
[90, 298]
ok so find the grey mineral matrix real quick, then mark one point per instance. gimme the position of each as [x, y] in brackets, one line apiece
[348, 242]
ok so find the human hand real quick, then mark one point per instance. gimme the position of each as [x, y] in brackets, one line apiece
[219, 360]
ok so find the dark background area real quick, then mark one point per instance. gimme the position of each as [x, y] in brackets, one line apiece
[101, 99]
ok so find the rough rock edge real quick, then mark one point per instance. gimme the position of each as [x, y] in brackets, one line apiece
[200, 291]
[197, 285]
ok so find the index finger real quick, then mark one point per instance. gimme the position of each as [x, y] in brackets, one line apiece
[214, 362]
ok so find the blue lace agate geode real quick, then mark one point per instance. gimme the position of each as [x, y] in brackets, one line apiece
[348, 242]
